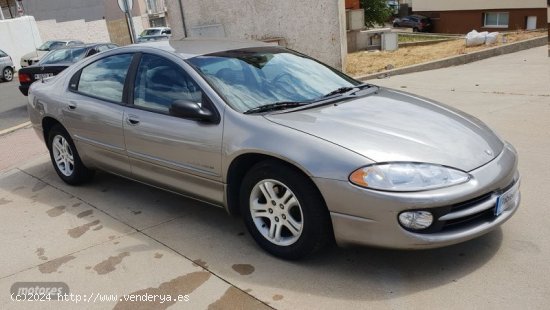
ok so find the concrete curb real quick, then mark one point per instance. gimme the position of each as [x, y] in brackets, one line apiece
[460, 59]
[430, 42]
[14, 128]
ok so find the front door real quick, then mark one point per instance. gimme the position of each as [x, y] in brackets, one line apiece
[172, 152]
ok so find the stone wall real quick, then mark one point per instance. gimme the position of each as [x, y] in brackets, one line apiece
[313, 27]
[91, 31]
[118, 30]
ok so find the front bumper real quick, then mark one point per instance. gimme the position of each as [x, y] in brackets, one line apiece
[367, 217]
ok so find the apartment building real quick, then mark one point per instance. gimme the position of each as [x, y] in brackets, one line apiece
[451, 16]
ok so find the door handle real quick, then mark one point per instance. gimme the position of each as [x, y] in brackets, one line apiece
[72, 105]
[132, 120]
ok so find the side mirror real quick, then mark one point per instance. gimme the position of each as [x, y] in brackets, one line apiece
[191, 110]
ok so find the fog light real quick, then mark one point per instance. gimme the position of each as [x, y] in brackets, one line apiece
[416, 220]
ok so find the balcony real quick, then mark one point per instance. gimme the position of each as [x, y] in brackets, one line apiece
[156, 8]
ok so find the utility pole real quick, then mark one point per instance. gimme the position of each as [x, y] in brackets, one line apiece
[129, 20]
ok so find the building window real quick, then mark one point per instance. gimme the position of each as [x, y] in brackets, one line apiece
[496, 19]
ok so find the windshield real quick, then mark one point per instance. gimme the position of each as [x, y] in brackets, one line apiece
[66, 55]
[250, 78]
[150, 32]
[51, 45]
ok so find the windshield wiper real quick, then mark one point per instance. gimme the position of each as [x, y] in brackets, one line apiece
[345, 89]
[275, 106]
[340, 90]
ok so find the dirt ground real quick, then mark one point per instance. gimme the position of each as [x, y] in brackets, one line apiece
[365, 62]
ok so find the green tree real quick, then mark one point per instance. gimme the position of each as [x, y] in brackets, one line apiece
[377, 12]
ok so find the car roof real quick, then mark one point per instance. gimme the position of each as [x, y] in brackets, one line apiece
[64, 40]
[191, 47]
[86, 45]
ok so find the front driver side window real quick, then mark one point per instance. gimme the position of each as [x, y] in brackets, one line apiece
[160, 82]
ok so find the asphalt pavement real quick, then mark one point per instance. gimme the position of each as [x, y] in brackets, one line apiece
[115, 236]
[13, 105]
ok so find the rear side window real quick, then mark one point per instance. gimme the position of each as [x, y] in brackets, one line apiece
[105, 78]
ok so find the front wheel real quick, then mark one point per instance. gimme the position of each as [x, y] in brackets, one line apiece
[7, 74]
[65, 158]
[283, 211]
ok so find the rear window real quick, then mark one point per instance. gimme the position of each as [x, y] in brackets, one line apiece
[69, 55]
[150, 32]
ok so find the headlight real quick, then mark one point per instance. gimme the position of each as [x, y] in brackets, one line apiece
[407, 177]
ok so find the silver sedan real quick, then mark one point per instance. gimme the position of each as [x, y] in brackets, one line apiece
[306, 154]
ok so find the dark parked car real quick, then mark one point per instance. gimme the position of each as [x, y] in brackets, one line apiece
[56, 61]
[416, 22]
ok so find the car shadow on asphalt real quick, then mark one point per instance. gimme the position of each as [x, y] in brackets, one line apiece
[206, 234]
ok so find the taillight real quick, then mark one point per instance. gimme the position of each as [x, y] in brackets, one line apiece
[24, 78]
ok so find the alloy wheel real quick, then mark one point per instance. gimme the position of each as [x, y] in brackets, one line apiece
[63, 155]
[8, 74]
[276, 212]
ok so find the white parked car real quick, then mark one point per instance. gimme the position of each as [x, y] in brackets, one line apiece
[33, 57]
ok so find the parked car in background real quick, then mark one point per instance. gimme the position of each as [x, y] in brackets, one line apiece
[56, 61]
[154, 34]
[305, 153]
[6, 67]
[418, 23]
[33, 57]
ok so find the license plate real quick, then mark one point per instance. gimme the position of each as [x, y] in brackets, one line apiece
[507, 200]
[42, 76]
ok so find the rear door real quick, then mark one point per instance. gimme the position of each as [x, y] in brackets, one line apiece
[94, 111]
[180, 154]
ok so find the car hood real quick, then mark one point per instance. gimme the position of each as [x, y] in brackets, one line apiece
[395, 126]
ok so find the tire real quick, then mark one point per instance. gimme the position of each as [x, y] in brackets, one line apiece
[7, 74]
[395, 25]
[69, 166]
[415, 29]
[297, 208]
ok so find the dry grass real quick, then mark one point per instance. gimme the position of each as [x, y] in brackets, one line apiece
[361, 63]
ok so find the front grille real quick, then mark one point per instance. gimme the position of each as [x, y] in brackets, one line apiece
[471, 202]
[464, 214]
[479, 217]
[468, 213]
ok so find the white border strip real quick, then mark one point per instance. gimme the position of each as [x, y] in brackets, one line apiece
[14, 128]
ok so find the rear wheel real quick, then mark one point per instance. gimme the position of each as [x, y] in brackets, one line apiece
[283, 211]
[7, 74]
[65, 158]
